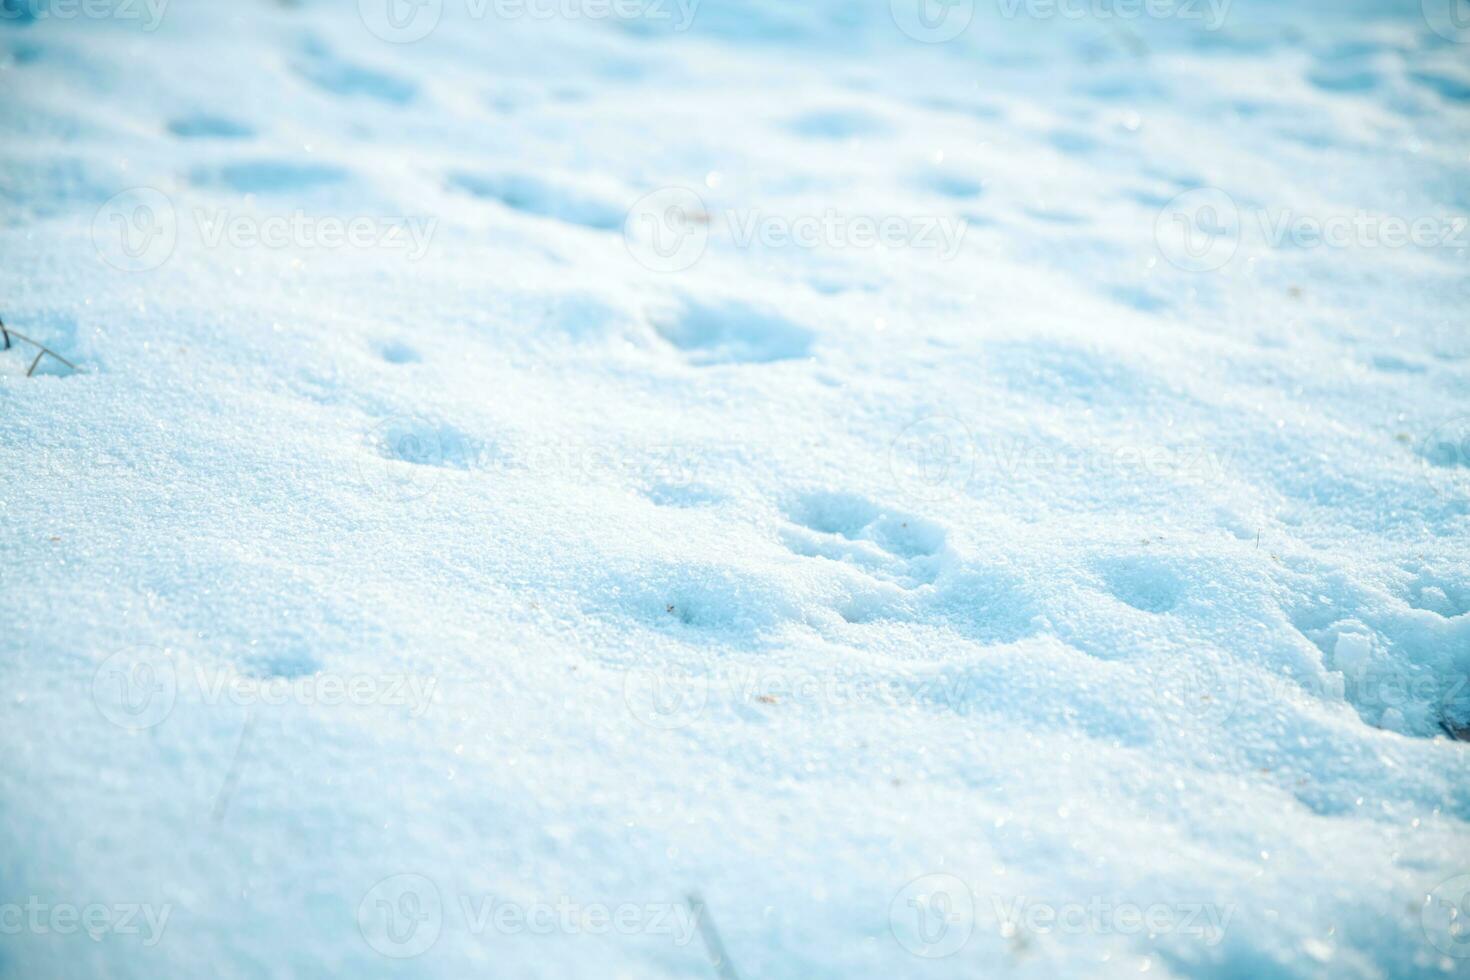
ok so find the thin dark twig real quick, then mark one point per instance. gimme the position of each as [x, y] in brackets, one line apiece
[718, 958]
[9, 332]
[232, 776]
[1130, 40]
[6, 334]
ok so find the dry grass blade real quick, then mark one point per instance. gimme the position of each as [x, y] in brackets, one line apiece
[718, 958]
[42, 349]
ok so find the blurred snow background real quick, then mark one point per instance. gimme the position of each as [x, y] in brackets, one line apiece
[562, 488]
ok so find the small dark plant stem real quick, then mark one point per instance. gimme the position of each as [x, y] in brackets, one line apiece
[34, 343]
[719, 960]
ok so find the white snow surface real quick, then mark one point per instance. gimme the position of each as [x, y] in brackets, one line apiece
[888, 610]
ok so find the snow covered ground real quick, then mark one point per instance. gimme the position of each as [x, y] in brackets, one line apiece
[564, 487]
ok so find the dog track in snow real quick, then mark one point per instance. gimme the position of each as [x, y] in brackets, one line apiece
[541, 199]
[207, 126]
[839, 124]
[268, 176]
[329, 73]
[398, 352]
[884, 545]
[1145, 582]
[732, 332]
